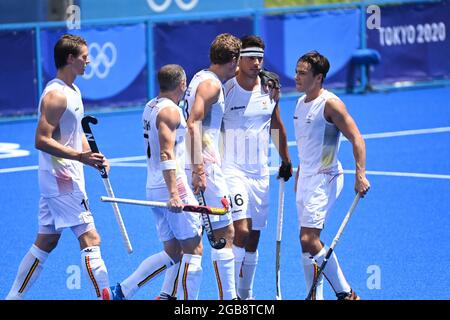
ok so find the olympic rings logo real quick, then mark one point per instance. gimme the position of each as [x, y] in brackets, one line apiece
[102, 59]
[163, 6]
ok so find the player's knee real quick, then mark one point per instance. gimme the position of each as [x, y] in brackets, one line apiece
[227, 232]
[192, 246]
[253, 241]
[173, 249]
[195, 250]
[175, 255]
[89, 239]
[241, 235]
[307, 242]
[47, 243]
[198, 250]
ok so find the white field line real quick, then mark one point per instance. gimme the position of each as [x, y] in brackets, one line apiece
[128, 164]
[18, 169]
[390, 134]
[274, 170]
[123, 161]
[403, 174]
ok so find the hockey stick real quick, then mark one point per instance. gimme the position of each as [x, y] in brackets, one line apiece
[157, 204]
[333, 244]
[216, 244]
[91, 140]
[279, 234]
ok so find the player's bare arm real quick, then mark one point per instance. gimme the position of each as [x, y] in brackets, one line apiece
[280, 143]
[167, 122]
[52, 108]
[208, 93]
[336, 112]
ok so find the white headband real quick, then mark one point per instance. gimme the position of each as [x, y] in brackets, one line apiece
[252, 52]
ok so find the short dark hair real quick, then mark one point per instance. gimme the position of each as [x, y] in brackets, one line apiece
[67, 44]
[319, 63]
[252, 41]
[170, 76]
[224, 48]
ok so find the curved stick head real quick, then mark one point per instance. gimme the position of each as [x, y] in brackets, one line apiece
[89, 119]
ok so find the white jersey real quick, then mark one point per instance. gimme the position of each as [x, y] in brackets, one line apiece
[246, 124]
[58, 176]
[155, 177]
[317, 139]
[213, 120]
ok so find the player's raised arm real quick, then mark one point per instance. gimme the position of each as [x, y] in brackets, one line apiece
[337, 113]
[280, 142]
[53, 106]
[208, 93]
[167, 122]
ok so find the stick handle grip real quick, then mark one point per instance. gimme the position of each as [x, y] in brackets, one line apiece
[277, 270]
[280, 210]
[91, 140]
[279, 235]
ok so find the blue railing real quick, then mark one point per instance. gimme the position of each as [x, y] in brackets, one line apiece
[149, 21]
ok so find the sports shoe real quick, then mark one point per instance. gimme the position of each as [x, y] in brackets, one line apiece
[348, 295]
[113, 293]
[165, 296]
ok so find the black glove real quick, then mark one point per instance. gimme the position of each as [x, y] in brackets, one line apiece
[267, 76]
[285, 171]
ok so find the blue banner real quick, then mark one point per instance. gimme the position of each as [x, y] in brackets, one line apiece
[334, 34]
[413, 42]
[97, 9]
[116, 74]
[13, 11]
[187, 44]
[17, 73]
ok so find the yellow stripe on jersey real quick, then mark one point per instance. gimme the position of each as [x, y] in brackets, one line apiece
[29, 274]
[154, 274]
[91, 276]
[219, 282]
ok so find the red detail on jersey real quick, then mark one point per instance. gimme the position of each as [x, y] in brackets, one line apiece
[225, 203]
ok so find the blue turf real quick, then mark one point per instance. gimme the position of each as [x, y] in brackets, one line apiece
[401, 228]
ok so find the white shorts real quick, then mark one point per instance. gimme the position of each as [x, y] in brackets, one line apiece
[315, 197]
[68, 210]
[216, 190]
[249, 198]
[181, 226]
